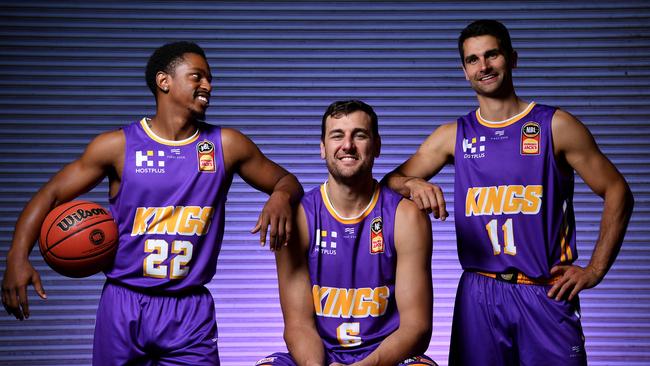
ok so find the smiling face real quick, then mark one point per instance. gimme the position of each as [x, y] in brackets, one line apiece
[188, 85]
[349, 146]
[486, 67]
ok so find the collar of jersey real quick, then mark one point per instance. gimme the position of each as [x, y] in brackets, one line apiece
[349, 220]
[163, 141]
[505, 122]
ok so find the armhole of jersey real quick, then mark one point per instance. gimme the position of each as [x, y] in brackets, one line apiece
[114, 201]
[219, 133]
[311, 226]
[551, 145]
[391, 239]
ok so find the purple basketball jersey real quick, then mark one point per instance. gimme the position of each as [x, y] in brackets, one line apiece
[514, 208]
[352, 269]
[169, 209]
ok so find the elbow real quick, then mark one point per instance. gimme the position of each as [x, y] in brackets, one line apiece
[424, 337]
[421, 336]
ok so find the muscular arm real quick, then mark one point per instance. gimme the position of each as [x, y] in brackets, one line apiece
[242, 156]
[413, 289]
[102, 157]
[411, 178]
[575, 148]
[300, 332]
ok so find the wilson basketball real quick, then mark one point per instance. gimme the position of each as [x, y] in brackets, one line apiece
[78, 239]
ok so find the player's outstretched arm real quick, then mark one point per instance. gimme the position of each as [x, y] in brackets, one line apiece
[300, 334]
[413, 289]
[575, 148]
[101, 157]
[411, 178]
[242, 156]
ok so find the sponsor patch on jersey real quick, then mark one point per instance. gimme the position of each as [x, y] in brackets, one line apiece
[530, 137]
[474, 148]
[205, 151]
[376, 236]
[149, 161]
[326, 241]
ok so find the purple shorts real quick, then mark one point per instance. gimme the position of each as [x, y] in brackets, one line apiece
[285, 359]
[139, 329]
[500, 323]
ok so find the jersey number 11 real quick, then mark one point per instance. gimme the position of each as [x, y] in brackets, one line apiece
[508, 237]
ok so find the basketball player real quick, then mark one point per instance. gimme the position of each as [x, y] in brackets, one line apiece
[517, 300]
[168, 180]
[355, 286]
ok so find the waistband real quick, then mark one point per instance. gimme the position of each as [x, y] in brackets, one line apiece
[520, 278]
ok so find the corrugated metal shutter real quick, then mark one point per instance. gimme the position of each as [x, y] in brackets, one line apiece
[73, 69]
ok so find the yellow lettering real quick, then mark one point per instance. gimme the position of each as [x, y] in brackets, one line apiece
[183, 220]
[343, 306]
[471, 207]
[361, 304]
[498, 200]
[380, 297]
[316, 294]
[494, 200]
[165, 221]
[206, 219]
[142, 215]
[532, 199]
[512, 203]
[331, 298]
[190, 223]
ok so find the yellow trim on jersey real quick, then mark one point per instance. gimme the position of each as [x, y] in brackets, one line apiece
[504, 123]
[163, 141]
[522, 279]
[349, 220]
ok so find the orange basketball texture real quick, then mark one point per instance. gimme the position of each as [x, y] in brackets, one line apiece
[78, 239]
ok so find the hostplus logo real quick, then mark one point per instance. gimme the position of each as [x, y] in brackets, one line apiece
[326, 242]
[474, 148]
[149, 161]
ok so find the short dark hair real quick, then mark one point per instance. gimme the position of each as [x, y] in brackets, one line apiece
[345, 107]
[486, 27]
[166, 57]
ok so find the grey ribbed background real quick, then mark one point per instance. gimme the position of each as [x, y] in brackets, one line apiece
[70, 70]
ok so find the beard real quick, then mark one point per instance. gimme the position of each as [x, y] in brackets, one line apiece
[197, 114]
[350, 175]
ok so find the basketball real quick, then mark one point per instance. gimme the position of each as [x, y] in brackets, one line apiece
[78, 239]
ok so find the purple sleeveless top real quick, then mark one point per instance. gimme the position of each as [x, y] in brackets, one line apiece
[169, 210]
[514, 208]
[352, 269]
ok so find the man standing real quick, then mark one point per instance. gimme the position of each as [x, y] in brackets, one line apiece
[355, 285]
[168, 180]
[514, 160]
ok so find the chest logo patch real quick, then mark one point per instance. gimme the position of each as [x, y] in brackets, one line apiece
[530, 138]
[376, 236]
[205, 158]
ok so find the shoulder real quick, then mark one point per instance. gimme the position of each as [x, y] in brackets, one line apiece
[568, 130]
[232, 136]
[562, 117]
[412, 228]
[106, 149]
[410, 215]
[442, 140]
[447, 128]
[309, 199]
[109, 140]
